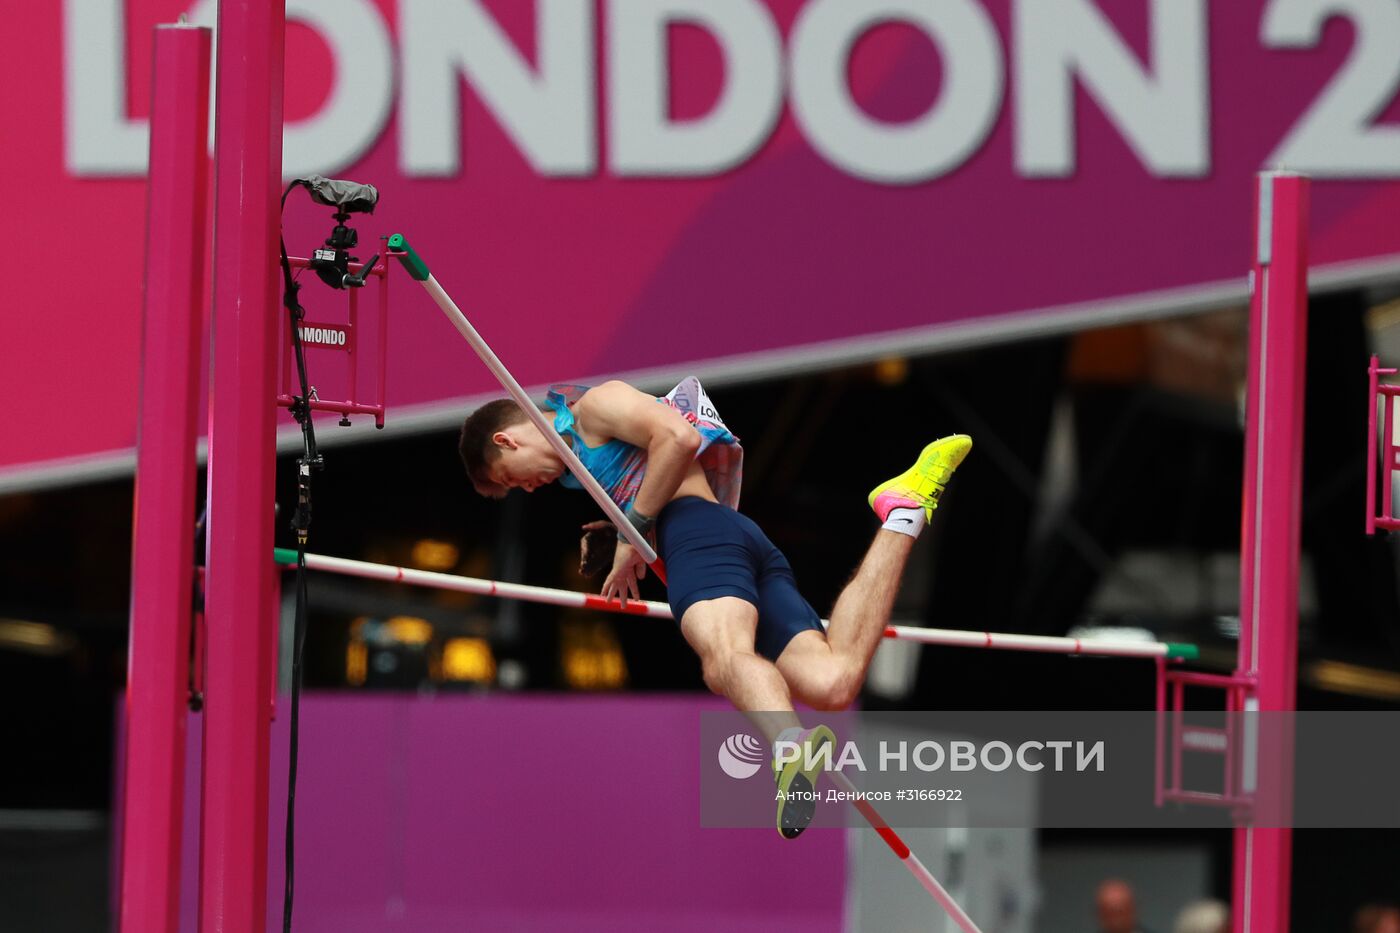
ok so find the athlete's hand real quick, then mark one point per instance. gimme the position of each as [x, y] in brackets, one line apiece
[628, 567]
[596, 547]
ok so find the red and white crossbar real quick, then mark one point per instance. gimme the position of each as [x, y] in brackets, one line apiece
[573, 599]
[906, 856]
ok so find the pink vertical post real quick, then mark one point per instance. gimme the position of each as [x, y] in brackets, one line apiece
[238, 680]
[383, 339]
[162, 565]
[352, 360]
[1371, 443]
[1388, 452]
[1272, 494]
[1160, 742]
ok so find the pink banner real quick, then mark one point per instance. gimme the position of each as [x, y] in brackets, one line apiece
[648, 189]
[522, 813]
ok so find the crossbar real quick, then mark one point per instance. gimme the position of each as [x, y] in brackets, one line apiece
[555, 597]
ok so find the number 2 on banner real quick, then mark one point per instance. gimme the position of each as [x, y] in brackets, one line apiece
[1336, 136]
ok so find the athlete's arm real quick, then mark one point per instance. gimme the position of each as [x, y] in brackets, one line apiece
[616, 410]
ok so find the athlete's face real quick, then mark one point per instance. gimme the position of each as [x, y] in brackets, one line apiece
[525, 461]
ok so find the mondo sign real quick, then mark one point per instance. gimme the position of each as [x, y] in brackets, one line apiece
[324, 335]
[648, 188]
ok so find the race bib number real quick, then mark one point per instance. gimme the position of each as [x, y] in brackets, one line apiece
[690, 399]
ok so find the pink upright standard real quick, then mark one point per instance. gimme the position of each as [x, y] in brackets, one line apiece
[162, 571]
[239, 678]
[1273, 479]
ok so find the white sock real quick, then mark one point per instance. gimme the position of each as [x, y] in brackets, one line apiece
[905, 521]
[790, 734]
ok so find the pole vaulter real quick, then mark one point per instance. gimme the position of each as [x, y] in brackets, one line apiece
[418, 270]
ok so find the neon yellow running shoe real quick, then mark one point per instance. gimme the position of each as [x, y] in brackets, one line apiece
[922, 484]
[797, 780]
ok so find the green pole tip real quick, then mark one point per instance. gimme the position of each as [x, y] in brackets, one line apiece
[417, 268]
[1182, 651]
[284, 555]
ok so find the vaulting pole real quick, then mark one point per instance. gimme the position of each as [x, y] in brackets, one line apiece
[418, 270]
[906, 856]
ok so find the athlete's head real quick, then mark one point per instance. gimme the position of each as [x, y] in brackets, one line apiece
[503, 450]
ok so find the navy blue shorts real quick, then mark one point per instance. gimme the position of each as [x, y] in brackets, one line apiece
[711, 551]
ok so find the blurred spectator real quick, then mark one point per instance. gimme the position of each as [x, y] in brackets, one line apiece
[1203, 917]
[1117, 908]
[1377, 918]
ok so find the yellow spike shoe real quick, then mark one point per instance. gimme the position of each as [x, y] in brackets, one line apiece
[922, 484]
[797, 780]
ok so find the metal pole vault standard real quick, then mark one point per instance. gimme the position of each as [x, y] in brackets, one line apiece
[418, 270]
[242, 436]
[162, 566]
[572, 599]
[1268, 651]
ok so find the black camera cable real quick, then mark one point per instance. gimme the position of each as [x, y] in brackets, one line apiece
[301, 524]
